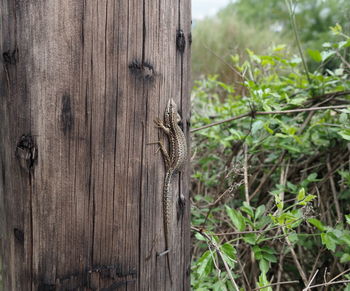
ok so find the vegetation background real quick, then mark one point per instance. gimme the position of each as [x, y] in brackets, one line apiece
[270, 183]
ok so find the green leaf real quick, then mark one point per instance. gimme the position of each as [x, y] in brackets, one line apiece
[250, 238]
[270, 258]
[345, 238]
[293, 237]
[328, 241]
[315, 55]
[257, 126]
[247, 209]
[337, 29]
[347, 217]
[263, 282]
[262, 222]
[326, 54]
[219, 286]
[279, 48]
[317, 223]
[264, 266]
[345, 258]
[236, 218]
[345, 134]
[309, 198]
[199, 237]
[267, 128]
[260, 211]
[229, 250]
[267, 249]
[257, 252]
[205, 264]
[343, 118]
[301, 194]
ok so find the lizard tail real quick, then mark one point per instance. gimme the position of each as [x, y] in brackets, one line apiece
[167, 215]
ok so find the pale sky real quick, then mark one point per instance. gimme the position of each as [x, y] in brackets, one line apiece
[203, 8]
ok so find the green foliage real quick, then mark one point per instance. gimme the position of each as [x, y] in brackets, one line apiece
[216, 39]
[260, 24]
[314, 17]
[295, 164]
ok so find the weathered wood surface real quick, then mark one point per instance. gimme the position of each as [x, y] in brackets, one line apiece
[80, 190]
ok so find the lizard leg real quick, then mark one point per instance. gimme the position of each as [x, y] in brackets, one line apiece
[164, 152]
[160, 124]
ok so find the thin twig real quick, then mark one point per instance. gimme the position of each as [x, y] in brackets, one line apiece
[315, 264]
[245, 167]
[252, 113]
[311, 280]
[329, 96]
[244, 274]
[297, 39]
[339, 275]
[343, 59]
[295, 258]
[280, 268]
[334, 191]
[333, 170]
[329, 283]
[253, 231]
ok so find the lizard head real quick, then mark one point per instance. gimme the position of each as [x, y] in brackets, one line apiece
[171, 114]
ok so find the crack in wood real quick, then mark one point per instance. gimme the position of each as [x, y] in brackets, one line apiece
[67, 117]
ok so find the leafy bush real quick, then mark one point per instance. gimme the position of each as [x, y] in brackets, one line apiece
[271, 179]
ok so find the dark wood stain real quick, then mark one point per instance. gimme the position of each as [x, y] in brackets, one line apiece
[19, 235]
[67, 117]
[46, 287]
[190, 38]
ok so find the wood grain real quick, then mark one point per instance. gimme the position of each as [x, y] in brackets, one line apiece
[80, 190]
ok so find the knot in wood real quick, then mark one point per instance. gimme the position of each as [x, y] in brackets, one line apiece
[142, 70]
[180, 41]
[10, 57]
[26, 151]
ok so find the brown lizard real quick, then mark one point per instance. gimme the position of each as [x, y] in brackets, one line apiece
[174, 160]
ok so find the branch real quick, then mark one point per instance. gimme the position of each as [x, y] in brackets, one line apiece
[296, 261]
[252, 114]
[327, 284]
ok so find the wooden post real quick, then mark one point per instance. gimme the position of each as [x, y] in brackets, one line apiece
[80, 190]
